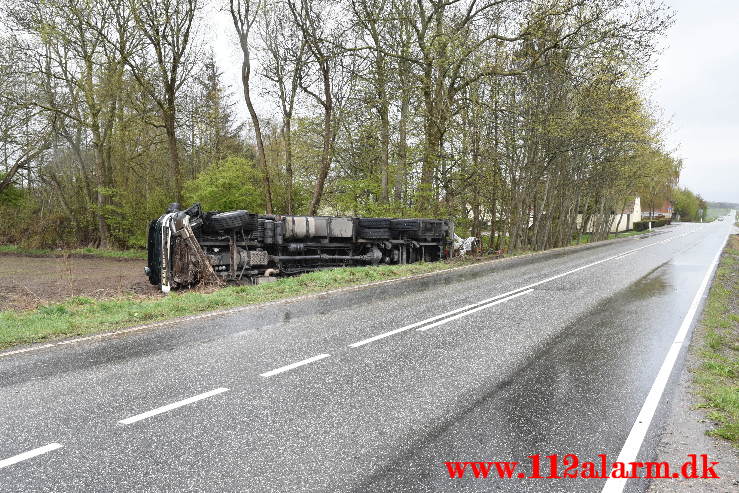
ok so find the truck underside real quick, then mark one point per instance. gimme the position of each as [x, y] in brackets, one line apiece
[191, 246]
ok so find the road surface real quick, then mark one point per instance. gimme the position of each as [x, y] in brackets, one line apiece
[557, 354]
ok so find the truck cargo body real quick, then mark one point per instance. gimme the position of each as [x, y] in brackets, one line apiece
[191, 246]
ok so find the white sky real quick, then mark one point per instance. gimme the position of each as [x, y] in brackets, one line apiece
[696, 86]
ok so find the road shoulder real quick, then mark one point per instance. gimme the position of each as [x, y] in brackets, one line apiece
[688, 422]
[685, 433]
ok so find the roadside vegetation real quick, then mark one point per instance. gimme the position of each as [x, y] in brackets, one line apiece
[690, 207]
[75, 252]
[80, 315]
[528, 112]
[718, 374]
[84, 315]
[588, 237]
[712, 213]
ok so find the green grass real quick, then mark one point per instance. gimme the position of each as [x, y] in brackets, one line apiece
[715, 212]
[82, 252]
[585, 238]
[81, 315]
[718, 374]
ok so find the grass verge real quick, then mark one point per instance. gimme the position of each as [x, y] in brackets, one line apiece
[77, 252]
[80, 315]
[717, 376]
[585, 238]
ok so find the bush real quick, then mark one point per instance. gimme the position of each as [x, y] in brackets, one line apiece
[10, 195]
[656, 223]
[233, 183]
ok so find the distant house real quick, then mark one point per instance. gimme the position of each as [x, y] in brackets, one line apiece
[620, 222]
[631, 213]
[665, 210]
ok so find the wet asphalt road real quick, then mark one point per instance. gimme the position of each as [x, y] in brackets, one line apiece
[562, 368]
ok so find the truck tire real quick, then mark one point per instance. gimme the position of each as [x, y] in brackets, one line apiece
[374, 222]
[374, 233]
[233, 220]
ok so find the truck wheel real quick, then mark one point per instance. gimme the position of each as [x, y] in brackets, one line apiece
[233, 220]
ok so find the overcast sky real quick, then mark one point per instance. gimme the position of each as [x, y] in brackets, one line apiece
[696, 86]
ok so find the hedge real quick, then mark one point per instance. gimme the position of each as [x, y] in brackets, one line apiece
[656, 223]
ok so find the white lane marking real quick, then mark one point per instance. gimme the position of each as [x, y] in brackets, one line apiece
[504, 295]
[464, 314]
[25, 350]
[174, 405]
[29, 455]
[432, 319]
[633, 442]
[292, 366]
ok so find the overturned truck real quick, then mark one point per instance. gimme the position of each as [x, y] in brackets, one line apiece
[188, 247]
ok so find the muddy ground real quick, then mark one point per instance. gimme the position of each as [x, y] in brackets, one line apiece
[27, 282]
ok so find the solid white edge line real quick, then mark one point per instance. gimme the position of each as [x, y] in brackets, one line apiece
[29, 455]
[174, 405]
[441, 322]
[292, 366]
[633, 442]
[25, 350]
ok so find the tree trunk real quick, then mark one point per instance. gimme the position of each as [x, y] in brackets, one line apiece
[385, 153]
[100, 196]
[493, 211]
[431, 139]
[327, 139]
[383, 109]
[261, 157]
[401, 173]
[621, 215]
[287, 129]
[430, 164]
[174, 156]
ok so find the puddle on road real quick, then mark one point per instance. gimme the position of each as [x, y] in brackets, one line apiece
[594, 366]
[579, 395]
[653, 284]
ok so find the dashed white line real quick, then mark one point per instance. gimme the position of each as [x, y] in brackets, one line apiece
[292, 366]
[172, 406]
[29, 455]
[633, 442]
[469, 312]
[429, 320]
[488, 302]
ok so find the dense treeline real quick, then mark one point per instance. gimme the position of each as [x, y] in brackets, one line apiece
[510, 116]
[688, 206]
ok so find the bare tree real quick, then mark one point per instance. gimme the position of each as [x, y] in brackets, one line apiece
[163, 62]
[284, 66]
[371, 17]
[24, 133]
[244, 13]
[324, 47]
[75, 60]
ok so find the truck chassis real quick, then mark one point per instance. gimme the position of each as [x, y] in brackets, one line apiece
[188, 247]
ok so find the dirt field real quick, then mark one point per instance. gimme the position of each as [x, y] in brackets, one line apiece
[27, 282]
